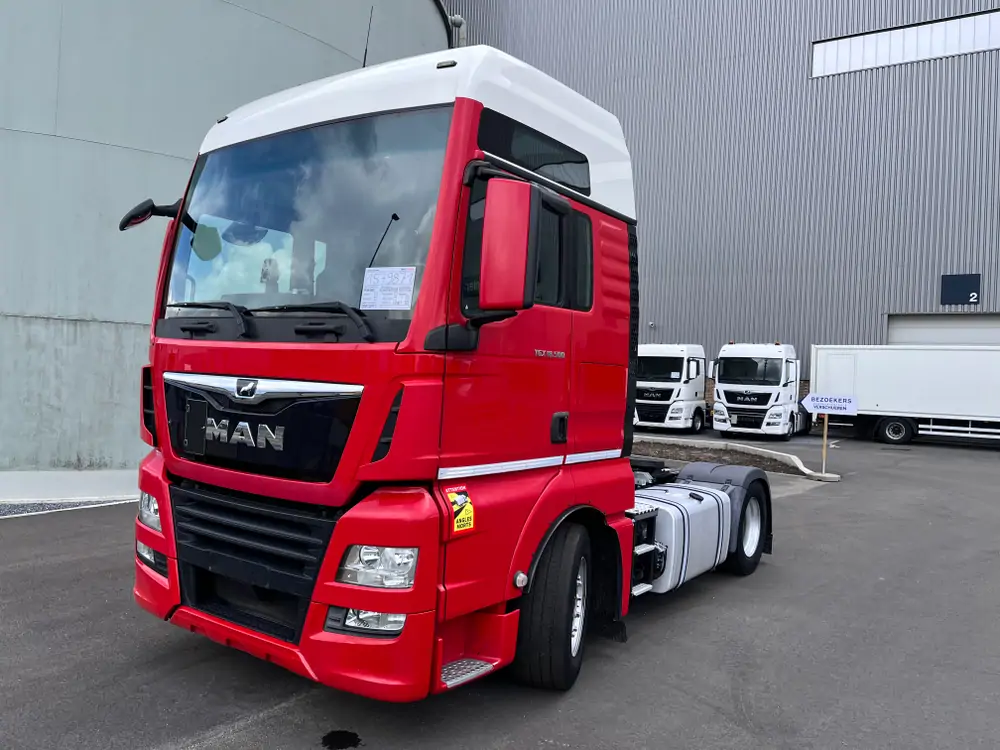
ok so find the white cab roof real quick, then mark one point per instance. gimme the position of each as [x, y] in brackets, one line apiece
[771, 351]
[484, 74]
[671, 350]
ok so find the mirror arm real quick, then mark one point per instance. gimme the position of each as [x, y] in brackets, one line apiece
[494, 316]
[480, 168]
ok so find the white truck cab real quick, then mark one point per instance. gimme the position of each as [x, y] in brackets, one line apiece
[670, 387]
[757, 391]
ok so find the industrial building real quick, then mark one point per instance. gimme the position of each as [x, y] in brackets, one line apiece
[104, 103]
[808, 171]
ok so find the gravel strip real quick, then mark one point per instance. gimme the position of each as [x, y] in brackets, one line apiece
[688, 454]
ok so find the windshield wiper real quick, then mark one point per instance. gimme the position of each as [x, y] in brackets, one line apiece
[239, 313]
[328, 307]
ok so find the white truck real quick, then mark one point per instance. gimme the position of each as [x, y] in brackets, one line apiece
[670, 387]
[904, 391]
[757, 391]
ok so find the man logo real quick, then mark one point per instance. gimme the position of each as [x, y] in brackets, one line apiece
[246, 388]
[243, 435]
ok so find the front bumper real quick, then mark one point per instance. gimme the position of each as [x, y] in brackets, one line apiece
[395, 669]
[769, 426]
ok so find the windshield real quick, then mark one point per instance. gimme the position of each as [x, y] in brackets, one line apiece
[750, 371]
[296, 218]
[660, 369]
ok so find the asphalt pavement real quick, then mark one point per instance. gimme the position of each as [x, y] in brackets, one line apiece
[872, 626]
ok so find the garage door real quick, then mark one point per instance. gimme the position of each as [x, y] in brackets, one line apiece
[945, 329]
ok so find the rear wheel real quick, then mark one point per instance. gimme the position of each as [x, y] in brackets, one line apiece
[895, 430]
[553, 617]
[749, 534]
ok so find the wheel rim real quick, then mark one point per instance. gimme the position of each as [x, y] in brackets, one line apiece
[751, 527]
[895, 430]
[697, 421]
[579, 608]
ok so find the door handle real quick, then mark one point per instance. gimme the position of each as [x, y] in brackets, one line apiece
[560, 427]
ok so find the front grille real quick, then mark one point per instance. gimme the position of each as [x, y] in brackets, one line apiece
[248, 559]
[651, 413]
[314, 432]
[654, 394]
[749, 418]
[747, 399]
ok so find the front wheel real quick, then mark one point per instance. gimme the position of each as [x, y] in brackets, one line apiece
[895, 431]
[697, 422]
[749, 535]
[553, 617]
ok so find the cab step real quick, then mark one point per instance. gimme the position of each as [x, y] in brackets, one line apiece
[459, 672]
[645, 549]
[641, 588]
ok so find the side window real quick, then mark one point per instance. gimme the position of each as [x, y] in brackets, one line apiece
[528, 148]
[472, 252]
[551, 262]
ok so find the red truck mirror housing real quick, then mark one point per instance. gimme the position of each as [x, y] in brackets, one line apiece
[507, 275]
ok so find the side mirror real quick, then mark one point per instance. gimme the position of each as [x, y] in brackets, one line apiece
[507, 265]
[145, 211]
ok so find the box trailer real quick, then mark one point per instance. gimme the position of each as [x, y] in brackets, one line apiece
[908, 391]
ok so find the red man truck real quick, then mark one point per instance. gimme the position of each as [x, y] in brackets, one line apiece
[391, 385]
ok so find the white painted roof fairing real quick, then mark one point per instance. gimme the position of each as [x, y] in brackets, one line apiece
[671, 350]
[497, 80]
[772, 351]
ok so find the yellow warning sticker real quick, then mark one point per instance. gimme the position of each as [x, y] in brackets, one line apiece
[462, 512]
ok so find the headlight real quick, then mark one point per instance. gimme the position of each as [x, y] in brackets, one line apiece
[676, 409]
[379, 567]
[149, 511]
[719, 411]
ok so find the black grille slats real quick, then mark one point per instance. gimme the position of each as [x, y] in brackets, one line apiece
[261, 542]
[148, 410]
[752, 418]
[651, 413]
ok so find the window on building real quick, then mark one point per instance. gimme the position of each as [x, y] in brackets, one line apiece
[565, 275]
[527, 148]
[954, 36]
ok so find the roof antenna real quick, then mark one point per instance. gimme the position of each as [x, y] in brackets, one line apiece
[371, 13]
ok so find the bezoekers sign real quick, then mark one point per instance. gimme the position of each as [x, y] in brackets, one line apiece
[817, 403]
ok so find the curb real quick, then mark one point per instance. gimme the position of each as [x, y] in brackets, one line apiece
[788, 459]
[88, 499]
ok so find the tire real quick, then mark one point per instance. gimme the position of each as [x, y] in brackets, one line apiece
[791, 429]
[895, 431]
[548, 655]
[740, 562]
[697, 422]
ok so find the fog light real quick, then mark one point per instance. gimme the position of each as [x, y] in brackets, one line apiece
[150, 557]
[149, 511]
[145, 552]
[363, 620]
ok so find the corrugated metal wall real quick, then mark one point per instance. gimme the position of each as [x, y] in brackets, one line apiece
[772, 205]
[102, 104]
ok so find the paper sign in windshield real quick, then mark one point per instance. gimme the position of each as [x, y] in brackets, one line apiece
[389, 288]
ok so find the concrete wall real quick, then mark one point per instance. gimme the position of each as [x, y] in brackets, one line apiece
[775, 206]
[104, 103]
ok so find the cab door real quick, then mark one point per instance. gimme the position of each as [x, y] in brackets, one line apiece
[506, 420]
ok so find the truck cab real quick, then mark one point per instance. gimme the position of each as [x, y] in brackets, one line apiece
[757, 391]
[391, 384]
[670, 387]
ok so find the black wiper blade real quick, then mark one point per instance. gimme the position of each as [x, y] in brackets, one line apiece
[329, 307]
[239, 313]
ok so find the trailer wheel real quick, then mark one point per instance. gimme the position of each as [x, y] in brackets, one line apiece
[895, 430]
[750, 534]
[553, 617]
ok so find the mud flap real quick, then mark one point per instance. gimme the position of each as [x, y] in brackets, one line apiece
[734, 481]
